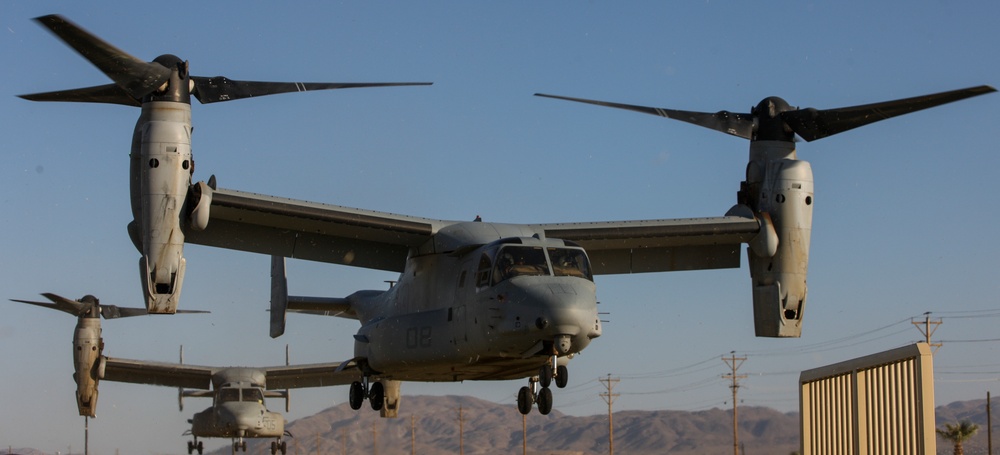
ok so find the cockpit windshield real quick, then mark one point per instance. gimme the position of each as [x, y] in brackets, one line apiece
[229, 394]
[570, 262]
[516, 260]
[253, 395]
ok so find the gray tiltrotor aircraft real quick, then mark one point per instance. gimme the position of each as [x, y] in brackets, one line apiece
[238, 393]
[474, 300]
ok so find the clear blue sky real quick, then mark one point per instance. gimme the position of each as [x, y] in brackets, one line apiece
[905, 220]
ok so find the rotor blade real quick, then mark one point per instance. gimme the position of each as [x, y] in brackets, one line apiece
[739, 125]
[68, 305]
[220, 88]
[43, 304]
[110, 94]
[115, 312]
[812, 124]
[59, 303]
[137, 77]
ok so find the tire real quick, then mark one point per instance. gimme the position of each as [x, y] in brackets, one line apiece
[377, 396]
[357, 395]
[545, 376]
[562, 376]
[524, 400]
[545, 401]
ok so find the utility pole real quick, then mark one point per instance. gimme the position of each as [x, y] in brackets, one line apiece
[524, 433]
[461, 432]
[734, 364]
[989, 426]
[610, 398]
[927, 331]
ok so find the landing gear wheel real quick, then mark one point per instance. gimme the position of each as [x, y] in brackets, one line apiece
[274, 447]
[357, 395]
[377, 396]
[190, 447]
[545, 376]
[243, 445]
[524, 400]
[562, 376]
[200, 446]
[544, 401]
[283, 447]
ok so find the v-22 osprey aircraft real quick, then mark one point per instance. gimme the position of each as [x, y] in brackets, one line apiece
[238, 409]
[475, 300]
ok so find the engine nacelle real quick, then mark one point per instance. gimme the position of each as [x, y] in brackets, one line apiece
[87, 363]
[161, 168]
[779, 188]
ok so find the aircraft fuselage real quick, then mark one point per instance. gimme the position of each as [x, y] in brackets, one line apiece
[236, 416]
[496, 311]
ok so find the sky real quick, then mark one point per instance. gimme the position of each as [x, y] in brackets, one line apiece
[904, 220]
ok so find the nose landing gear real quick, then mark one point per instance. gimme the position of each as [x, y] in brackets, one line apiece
[537, 391]
[361, 390]
[195, 445]
[279, 445]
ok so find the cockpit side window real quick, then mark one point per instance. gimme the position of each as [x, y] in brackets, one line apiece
[483, 273]
[570, 262]
[519, 260]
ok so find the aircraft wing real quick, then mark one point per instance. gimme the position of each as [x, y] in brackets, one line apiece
[366, 238]
[312, 231]
[200, 377]
[157, 373]
[311, 375]
[661, 245]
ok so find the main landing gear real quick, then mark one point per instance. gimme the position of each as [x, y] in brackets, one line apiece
[375, 393]
[239, 444]
[537, 391]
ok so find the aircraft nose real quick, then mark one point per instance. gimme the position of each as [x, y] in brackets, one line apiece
[240, 417]
[563, 311]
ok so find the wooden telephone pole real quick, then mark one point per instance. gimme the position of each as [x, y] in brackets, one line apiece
[927, 331]
[461, 432]
[610, 399]
[734, 364]
[413, 435]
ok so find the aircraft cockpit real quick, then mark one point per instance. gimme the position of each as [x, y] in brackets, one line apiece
[510, 258]
[236, 393]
